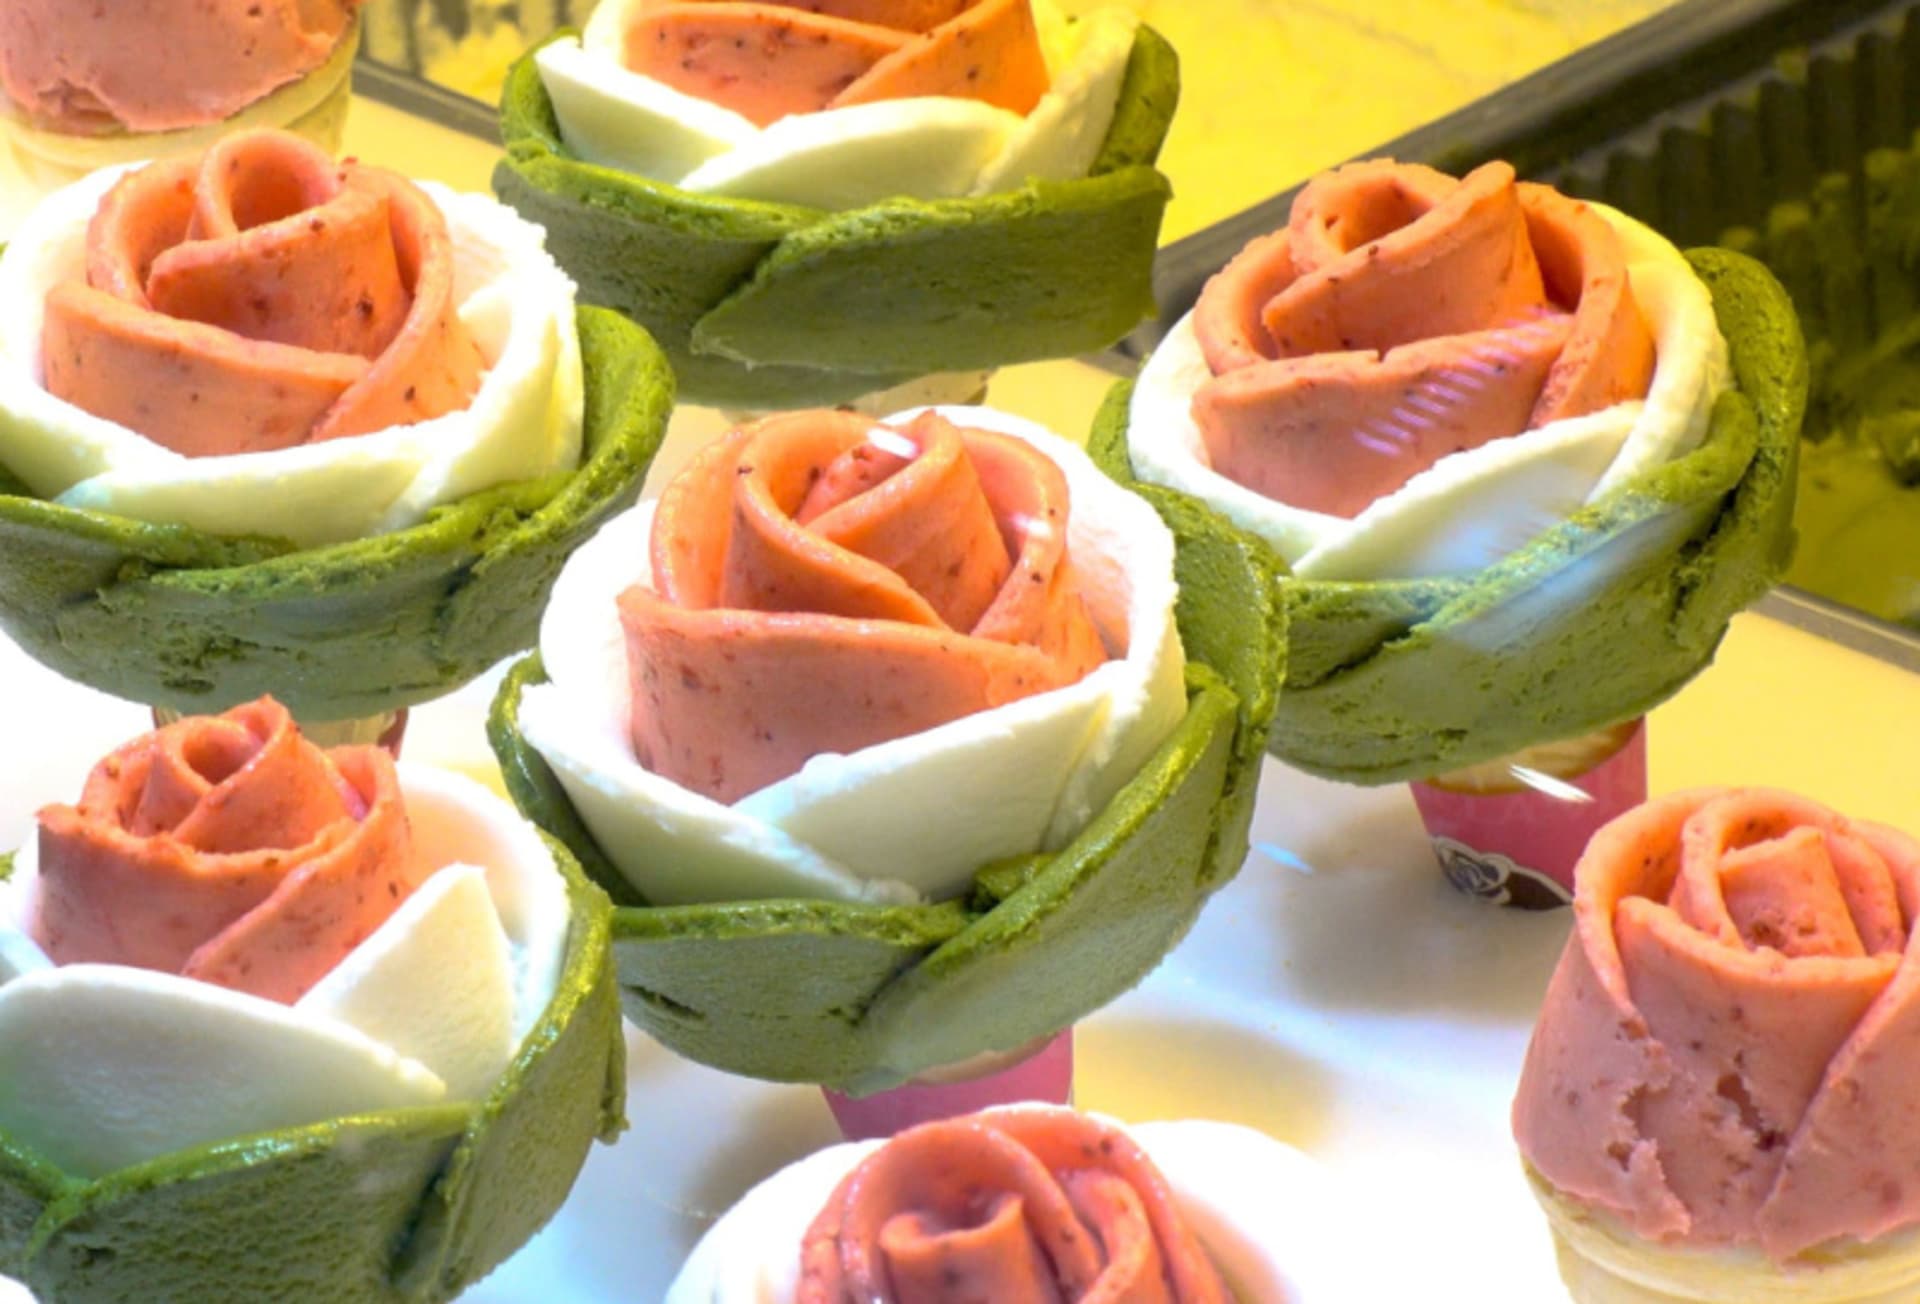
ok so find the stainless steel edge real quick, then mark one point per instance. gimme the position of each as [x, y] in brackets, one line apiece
[1894, 644]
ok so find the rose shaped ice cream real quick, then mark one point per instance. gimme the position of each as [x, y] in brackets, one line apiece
[226, 894]
[395, 1132]
[832, 624]
[1020, 1205]
[1460, 586]
[228, 850]
[206, 333]
[1726, 1052]
[821, 584]
[842, 104]
[261, 297]
[197, 339]
[158, 65]
[1055, 847]
[1030, 1202]
[719, 233]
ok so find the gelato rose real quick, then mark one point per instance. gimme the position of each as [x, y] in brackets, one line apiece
[1727, 1051]
[158, 65]
[229, 850]
[258, 297]
[1015, 1205]
[765, 61]
[823, 584]
[1403, 316]
[283, 1022]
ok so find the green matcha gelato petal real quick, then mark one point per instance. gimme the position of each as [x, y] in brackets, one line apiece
[194, 622]
[949, 285]
[407, 1206]
[27, 1187]
[1148, 96]
[893, 991]
[312, 1215]
[719, 984]
[1092, 924]
[770, 305]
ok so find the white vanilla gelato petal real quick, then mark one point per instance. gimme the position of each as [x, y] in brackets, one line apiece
[434, 983]
[929, 147]
[430, 1008]
[925, 147]
[1261, 1210]
[907, 819]
[460, 821]
[616, 118]
[1061, 136]
[103, 1066]
[1472, 508]
[524, 421]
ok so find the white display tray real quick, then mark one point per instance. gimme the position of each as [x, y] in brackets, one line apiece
[1337, 995]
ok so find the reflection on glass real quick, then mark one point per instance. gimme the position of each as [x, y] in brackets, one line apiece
[466, 45]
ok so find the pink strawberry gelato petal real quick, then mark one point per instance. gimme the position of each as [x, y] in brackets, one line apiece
[765, 61]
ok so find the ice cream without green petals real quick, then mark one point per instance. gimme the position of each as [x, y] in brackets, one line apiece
[92, 70]
[1715, 1104]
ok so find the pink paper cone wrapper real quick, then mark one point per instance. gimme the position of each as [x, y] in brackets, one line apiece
[1046, 1076]
[388, 729]
[1518, 848]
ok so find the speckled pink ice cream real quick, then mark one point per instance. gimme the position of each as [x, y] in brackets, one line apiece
[96, 66]
[1728, 1050]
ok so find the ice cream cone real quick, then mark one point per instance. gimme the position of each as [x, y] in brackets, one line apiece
[315, 106]
[1038, 1072]
[1602, 1262]
[1509, 831]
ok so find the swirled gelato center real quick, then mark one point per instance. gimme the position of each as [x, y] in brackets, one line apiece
[226, 849]
[258, 297]
[821, 583]
[1403, 316]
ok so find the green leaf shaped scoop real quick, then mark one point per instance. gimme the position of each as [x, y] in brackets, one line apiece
[275, 1018]
[874, 906]
[1483, 594]
[196, 534]
[831, 232]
